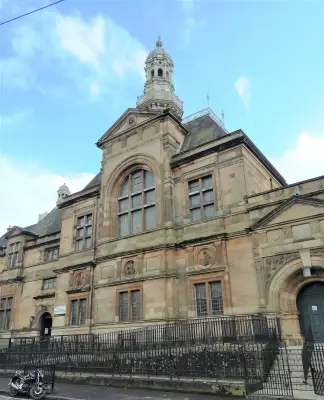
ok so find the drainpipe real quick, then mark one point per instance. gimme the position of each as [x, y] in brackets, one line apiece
[94, 263]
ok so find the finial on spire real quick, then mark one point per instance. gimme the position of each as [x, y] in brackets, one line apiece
[159, 42]
[223, 116]
[208, 99]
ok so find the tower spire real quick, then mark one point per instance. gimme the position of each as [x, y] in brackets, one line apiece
[158, 89]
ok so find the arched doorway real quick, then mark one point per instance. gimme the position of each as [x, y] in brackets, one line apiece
[46, 325]
[310, 304]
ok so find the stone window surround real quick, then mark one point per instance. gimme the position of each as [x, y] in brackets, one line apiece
[5, 310]
[206, 278]
[77, 296]
[78, 214]
[47, 280]
[51, 250]
[192, 176]
[144, 206]
[128, 288]
[117, 183]
[17, 247]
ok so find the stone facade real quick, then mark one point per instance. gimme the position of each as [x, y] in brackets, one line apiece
[112, 257]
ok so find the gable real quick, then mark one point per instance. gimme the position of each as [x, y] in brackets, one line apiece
[291, 210]
[128, 121]
[15, 231]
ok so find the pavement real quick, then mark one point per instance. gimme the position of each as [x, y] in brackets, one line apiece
[65, 391]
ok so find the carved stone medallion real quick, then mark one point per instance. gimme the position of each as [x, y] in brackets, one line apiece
[79, 278]
[129, 268]
[205, 258]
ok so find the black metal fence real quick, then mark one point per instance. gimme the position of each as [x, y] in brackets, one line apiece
[237, 329]
[211, 348]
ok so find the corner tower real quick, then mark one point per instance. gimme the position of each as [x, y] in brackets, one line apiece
[158, 89]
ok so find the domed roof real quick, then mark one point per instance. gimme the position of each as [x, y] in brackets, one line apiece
[159, 51]
[63, 188]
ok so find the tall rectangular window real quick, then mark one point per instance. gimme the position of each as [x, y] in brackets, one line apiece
[78, 312]
[5, 313]
[51, 254]
[84, 232]
[130, 305]
[209, 299]
[13, 254]
[201, 198]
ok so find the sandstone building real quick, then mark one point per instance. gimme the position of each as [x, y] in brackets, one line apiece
[184, 220]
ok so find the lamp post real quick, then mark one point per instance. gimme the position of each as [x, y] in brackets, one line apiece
[306, 271]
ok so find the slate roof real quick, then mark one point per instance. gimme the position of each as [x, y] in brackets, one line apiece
[94, 182]
[203, 129]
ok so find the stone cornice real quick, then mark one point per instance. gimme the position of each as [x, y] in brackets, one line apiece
[74, 267]
[84, 289]
[44, 296]
[136, 279]
[79, 196]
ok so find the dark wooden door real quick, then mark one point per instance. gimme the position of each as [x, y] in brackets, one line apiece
[310, 304]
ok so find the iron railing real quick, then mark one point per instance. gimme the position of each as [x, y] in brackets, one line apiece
[186, 333]
[210, 348]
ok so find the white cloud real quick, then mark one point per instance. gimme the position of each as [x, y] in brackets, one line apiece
[70, 47]
[85, 41]
[304, 160]
[243, 88]
[28, 190]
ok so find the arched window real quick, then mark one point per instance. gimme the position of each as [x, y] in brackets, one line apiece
[160, 72]
[137, 204]
[152, 73]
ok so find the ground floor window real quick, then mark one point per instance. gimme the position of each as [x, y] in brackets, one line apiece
[130, 305]
[78, 312]
[5, 312]
[209, 299]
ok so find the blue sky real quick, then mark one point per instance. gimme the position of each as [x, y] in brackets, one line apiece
[68, 72]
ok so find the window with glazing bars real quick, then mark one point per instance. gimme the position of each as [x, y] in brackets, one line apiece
[51, 254]
[13, 254]
[130, 305]
[5, 313]
[84, 232]
[136, 204]
[78, 312]
[209, 299]
[49, 283]
[201, 199]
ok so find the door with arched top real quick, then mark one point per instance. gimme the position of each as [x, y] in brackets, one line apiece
[310, 304]
[46, 325]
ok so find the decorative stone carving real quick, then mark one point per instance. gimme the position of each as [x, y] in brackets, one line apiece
[129, 269]
[6, 290]
[80, 278]
[273, 264]
[205, 257]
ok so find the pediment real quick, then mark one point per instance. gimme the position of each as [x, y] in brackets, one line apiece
[17, 231]
[131, 119]
[295, 208]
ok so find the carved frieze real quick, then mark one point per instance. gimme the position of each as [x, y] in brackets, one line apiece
[7, 290]
[80, 279]
[273, 264]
